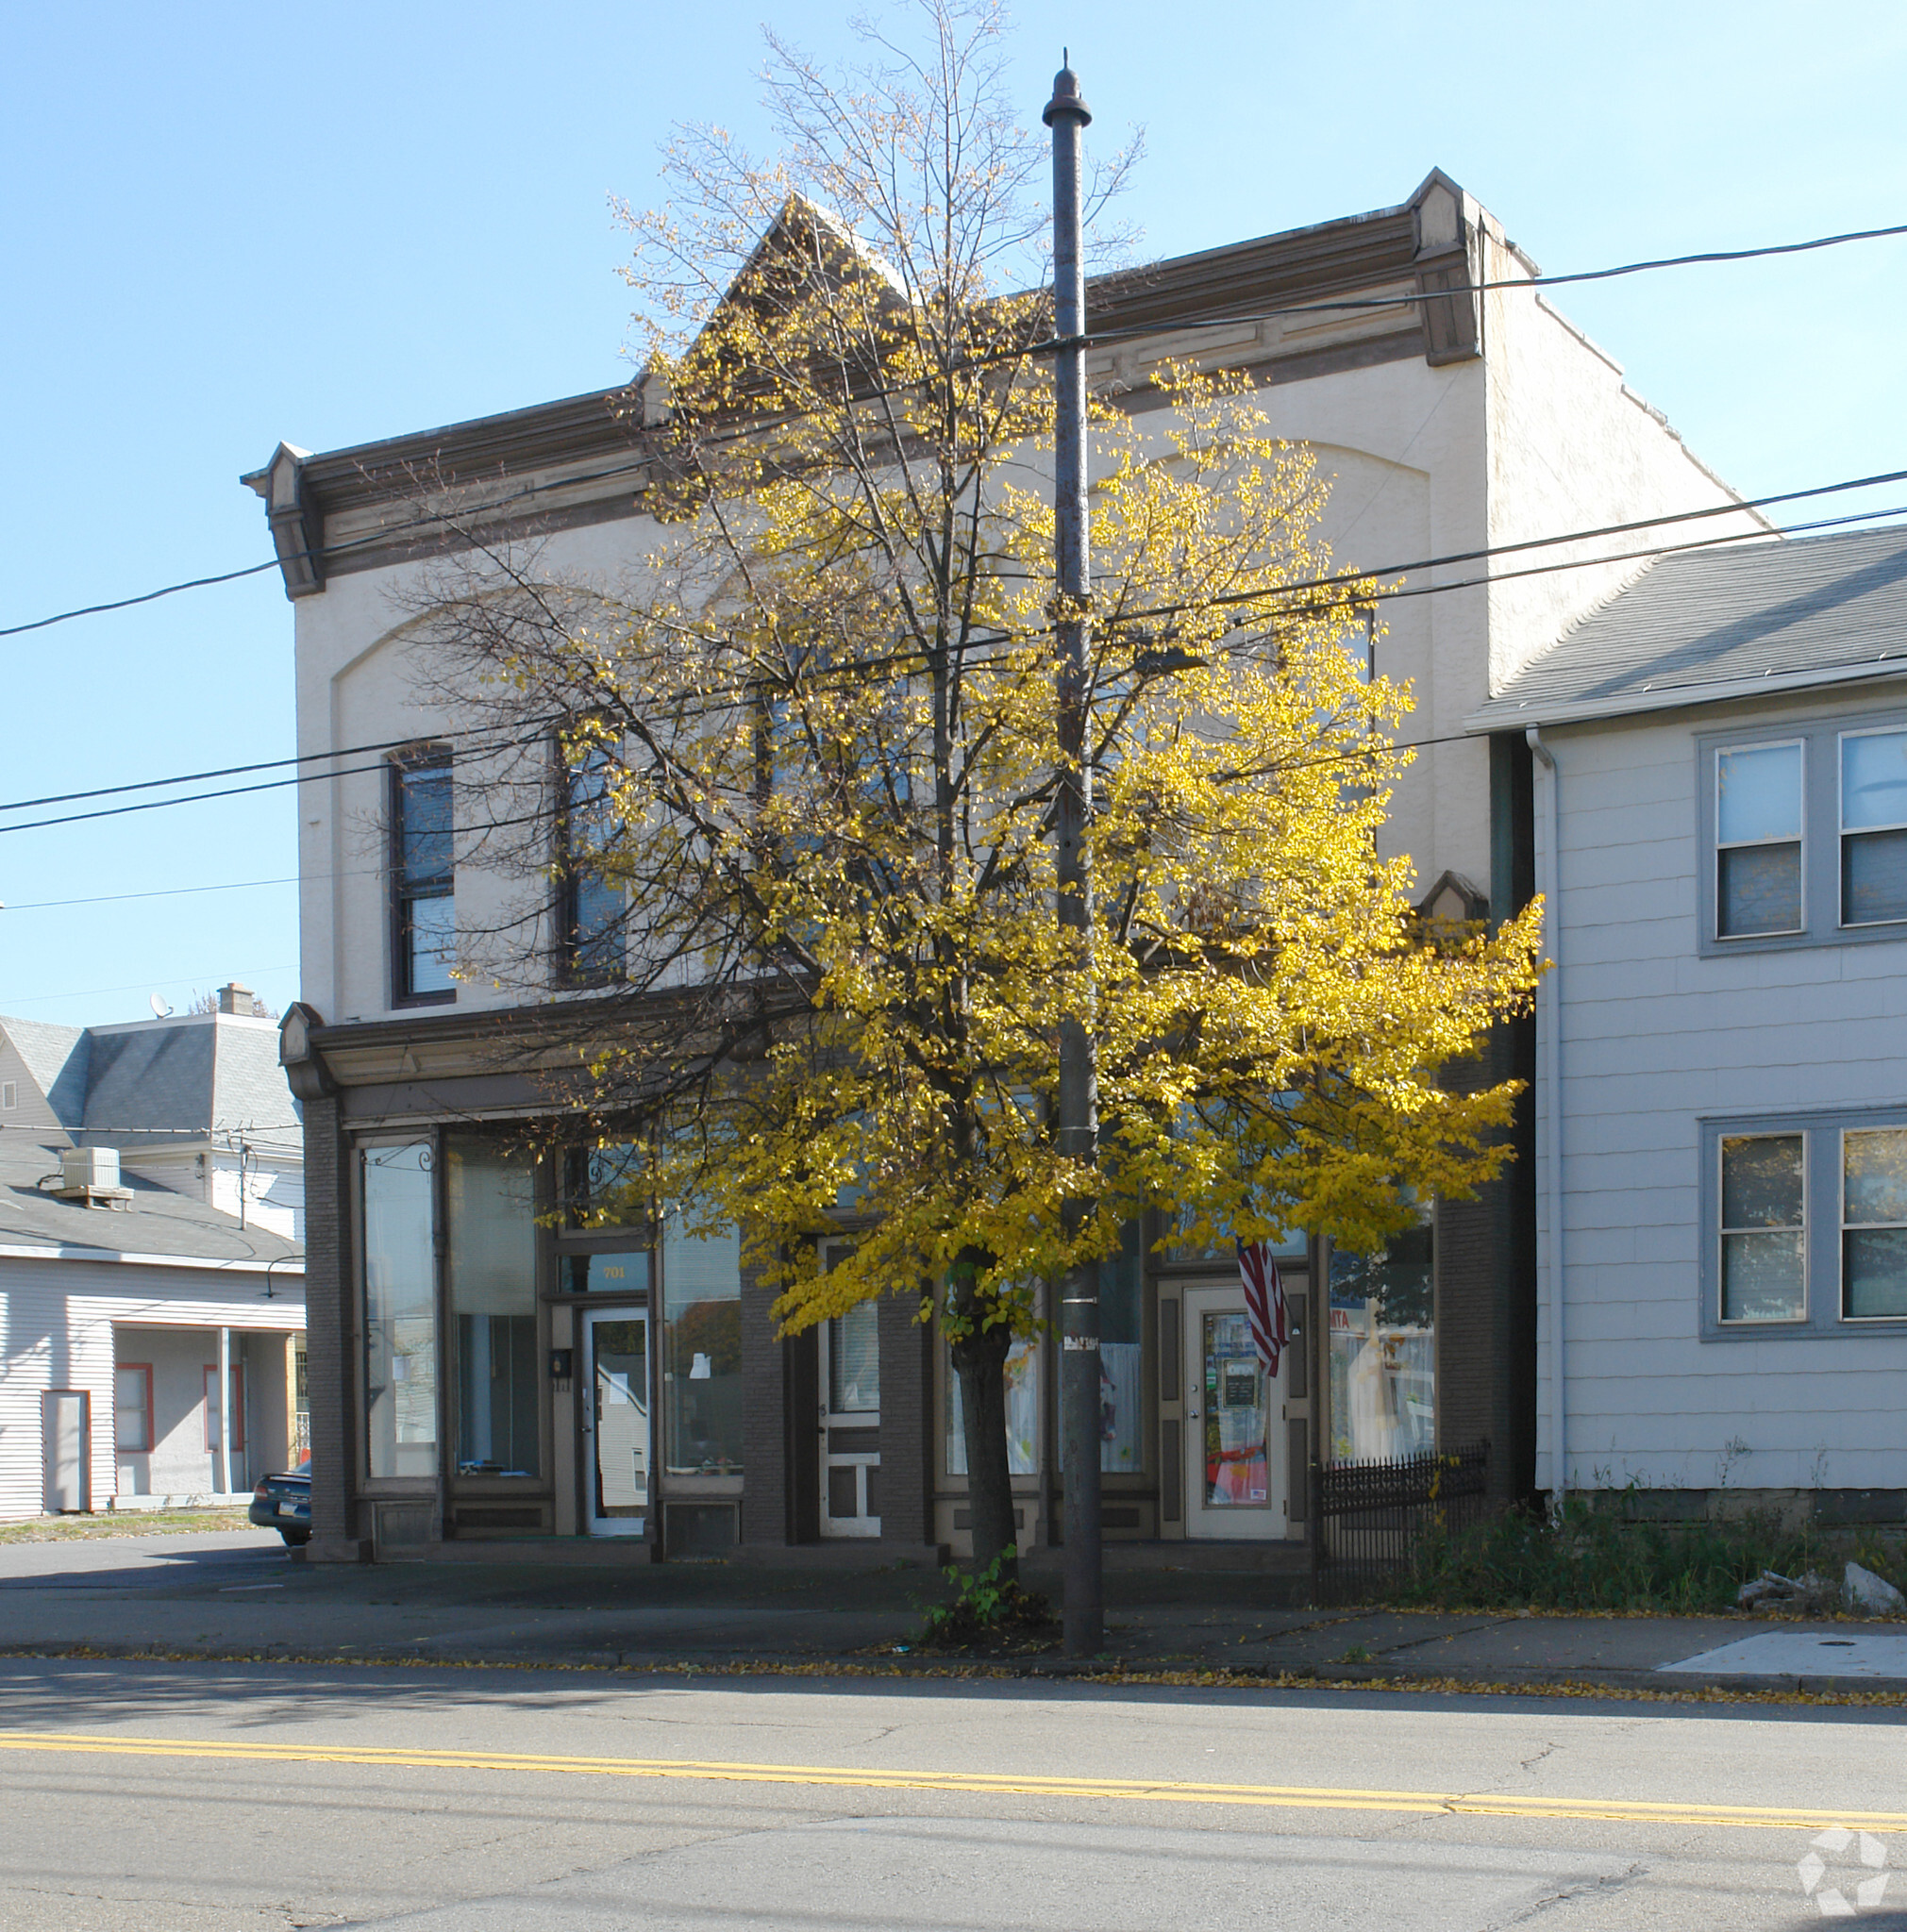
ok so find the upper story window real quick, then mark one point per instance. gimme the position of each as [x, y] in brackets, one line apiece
[593, 908]
[422, 880]
[1758, 840]
[1806, 835]
[1873, 826]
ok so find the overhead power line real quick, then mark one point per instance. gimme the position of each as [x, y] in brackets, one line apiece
[863, 670]
[1049, 346]
[1345, 578]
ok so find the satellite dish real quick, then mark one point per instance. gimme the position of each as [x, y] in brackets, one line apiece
[159, 1009]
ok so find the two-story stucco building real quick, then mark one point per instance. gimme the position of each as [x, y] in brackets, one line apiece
[483, 1368]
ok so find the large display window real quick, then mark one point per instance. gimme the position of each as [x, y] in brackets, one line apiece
[399, 1189]
[490, 1201]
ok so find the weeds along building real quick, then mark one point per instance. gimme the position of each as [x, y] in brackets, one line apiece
[482, 1370]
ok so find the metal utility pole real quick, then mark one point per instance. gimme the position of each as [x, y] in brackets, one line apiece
[1078, 1123]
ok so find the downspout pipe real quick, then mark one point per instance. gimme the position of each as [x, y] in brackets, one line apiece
[1550, 1065]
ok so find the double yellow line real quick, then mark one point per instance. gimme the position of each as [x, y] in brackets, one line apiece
[983, 1784]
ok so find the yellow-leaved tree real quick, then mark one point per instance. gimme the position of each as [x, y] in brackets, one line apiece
[807, 829]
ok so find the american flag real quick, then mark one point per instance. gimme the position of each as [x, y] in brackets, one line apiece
[1265, 1313]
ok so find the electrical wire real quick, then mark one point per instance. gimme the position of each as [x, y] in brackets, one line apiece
[1342, 578]
[861, 671]
[1050, 345]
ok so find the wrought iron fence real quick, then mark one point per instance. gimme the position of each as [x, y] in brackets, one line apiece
[1372, 1516]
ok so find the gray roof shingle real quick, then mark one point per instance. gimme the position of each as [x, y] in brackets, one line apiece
[1705, 624]
[158, 1222]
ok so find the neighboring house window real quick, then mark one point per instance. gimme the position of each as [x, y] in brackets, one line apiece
[1763, 1228]
[1807, 836]
[1874, 1225]
[10, 1094]
[1758, 840]
[592, 906]
[1806, 1223]
[238, 1408]
[132, 1408]
[423, 874]
[1873, 826]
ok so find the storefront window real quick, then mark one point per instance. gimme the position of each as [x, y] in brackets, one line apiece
[400, 1311]
[1122, 1360]
[1383, 1350]
[702, 1359]
[1023, 1414]
[491, 1195]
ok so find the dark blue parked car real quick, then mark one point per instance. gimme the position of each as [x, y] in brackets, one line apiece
[283, 1503]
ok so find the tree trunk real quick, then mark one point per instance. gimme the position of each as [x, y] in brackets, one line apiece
[980, 1359]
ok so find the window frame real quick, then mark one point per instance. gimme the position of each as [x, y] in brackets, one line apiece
[144, 1369]
[1820, 738]
[1731, 941]
[1722, 1231]
[573, 969]
[403, 766]
[1842, 1224]
[1843, 832]
[1824, 1131]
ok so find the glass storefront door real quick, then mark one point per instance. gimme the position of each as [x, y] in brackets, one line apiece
[616, 1417]
[1236, 1480]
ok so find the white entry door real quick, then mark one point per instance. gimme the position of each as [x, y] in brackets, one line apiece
[850, 1423]
[616, 1419]
[1236, 1480]
[64, 1420]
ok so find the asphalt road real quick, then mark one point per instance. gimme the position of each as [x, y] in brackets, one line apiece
[206, 1796]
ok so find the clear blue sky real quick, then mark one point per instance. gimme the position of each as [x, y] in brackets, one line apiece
[231, 224]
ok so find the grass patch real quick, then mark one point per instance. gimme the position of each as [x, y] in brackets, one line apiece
[61, 1529]
[989, 1613]
[1611, 1554]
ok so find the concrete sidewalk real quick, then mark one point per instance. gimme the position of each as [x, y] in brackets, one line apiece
[237, 1594]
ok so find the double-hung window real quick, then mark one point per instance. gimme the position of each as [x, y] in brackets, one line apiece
[1873, 827]
[423, 880]
[593, 905]
[1807, 836]
[1807, 1223]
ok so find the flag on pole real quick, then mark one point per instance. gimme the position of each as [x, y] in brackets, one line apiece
[1265, 1313]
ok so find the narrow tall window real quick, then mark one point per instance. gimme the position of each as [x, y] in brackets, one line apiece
[1763, 1230]
[593, 905]
[1874, 1223]
[400, 1310]
[423, 874]
[132, 1408]
[1873, 827]
[1758, 840]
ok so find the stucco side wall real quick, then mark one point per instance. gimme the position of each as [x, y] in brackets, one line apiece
[1654, 1038]
[1400, 446]
[1572, 448]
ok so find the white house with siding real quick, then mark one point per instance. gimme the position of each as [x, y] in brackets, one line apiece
[145, 1246]
[1721, 831]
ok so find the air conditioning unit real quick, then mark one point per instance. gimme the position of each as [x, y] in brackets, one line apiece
[94, 1169]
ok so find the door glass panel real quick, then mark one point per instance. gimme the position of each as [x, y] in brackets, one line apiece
[621, 1417]
[400, 1313]
[1236, 1469]
[854, 1361]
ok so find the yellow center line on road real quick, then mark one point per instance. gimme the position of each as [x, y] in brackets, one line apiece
[995, 1784]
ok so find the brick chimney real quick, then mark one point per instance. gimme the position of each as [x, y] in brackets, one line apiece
[235, 998]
